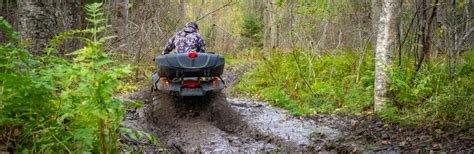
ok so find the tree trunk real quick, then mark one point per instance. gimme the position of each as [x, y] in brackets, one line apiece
[426, 40]
[386, 44]
[376, 8]
[38, 24]
[122, 14]
[272, 11]
[9, 11]
[69, 17]
[458, 43]
[327, 21]
[182, 10]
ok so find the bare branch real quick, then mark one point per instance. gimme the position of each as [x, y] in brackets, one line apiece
[223, 29]
[464, 38]
[223, 6]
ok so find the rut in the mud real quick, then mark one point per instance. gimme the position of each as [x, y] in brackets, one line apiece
[198, 124]
[216, 123]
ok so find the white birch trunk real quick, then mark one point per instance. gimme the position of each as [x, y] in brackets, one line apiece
[386, 44]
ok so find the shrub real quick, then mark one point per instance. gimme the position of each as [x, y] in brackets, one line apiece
[252, 30]
[430, 96]
[51, 104]
[305, 83]
[25, 106]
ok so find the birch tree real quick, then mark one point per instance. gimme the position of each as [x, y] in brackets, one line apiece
[386, 44]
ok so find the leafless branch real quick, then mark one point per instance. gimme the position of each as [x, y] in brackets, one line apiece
[223, 6]
[223, 29]
[464, 38]
[301, 73]
[361, 59]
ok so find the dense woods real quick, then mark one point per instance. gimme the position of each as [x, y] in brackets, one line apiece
[64, 65]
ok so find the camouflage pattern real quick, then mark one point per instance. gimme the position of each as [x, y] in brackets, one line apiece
[186, 40]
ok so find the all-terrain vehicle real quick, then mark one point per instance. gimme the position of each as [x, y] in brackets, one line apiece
[189, 74]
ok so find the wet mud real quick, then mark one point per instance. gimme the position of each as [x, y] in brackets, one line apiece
[218, 124]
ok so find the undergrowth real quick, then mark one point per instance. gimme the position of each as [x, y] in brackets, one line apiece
[51, 104]
[306, 83]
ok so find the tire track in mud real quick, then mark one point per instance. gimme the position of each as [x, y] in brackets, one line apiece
[199, 124]
[218, 124]
[196, 124]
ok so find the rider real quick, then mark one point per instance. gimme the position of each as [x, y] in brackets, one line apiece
[186, 40]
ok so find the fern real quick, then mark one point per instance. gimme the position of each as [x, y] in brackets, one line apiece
[62, 104]
[86, 97]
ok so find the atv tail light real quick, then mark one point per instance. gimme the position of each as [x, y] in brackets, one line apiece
[165, 82]
[193, 55]
[214, 82]
[191, 84]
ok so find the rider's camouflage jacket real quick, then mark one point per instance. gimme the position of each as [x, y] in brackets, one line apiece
[184, 41]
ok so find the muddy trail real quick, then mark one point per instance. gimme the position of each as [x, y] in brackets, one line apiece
[226, 125]
[218, 123]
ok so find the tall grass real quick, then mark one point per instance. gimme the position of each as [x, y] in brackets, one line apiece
[306, 83]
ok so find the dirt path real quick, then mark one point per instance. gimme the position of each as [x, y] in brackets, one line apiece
[224, 125]
[220, 124]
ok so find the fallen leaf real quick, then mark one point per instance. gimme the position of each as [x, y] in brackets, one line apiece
[403, 143]
[353, 123]
[437, 146]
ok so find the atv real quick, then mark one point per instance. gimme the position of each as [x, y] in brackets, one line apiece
[189, 74]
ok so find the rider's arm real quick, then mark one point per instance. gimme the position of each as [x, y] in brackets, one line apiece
[201, 44]
[169, 46]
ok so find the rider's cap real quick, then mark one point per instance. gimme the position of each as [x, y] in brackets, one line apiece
[192, 25]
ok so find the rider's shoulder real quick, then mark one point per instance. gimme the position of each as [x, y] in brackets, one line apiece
[180, 33]
[197, 34]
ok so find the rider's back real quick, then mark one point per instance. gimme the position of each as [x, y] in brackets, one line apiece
[187, 40]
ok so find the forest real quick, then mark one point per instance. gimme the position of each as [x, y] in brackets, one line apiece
[343, 75]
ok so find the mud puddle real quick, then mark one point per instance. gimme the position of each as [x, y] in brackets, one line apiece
[218, 124]
[292, 131]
